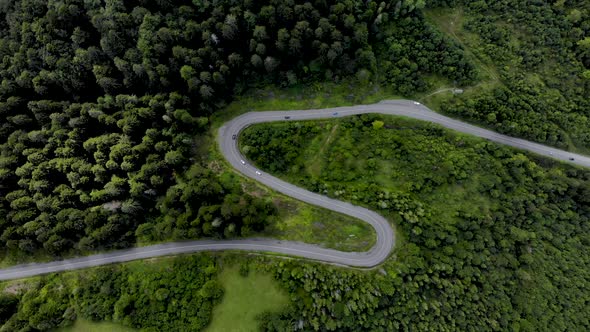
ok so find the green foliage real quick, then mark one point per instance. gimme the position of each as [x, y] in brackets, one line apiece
[100, 104]
[8, 306]
[492, 239]
[309, 224]
[539, 52]
[171, 295]
[42, 307]
[413, 49]
[193, 208]
[378, 124]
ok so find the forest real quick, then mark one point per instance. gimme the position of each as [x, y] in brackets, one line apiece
[494, 239]
[105, 107]
[175, 294]
[106, 111]
[539, 53]
[100, 125]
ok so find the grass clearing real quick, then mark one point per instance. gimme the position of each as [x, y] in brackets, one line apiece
[302, 222]
[82, 325]
[244, 299]
[14, 257]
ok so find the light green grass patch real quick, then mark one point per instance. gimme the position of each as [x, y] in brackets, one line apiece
[244, 299]
[310, 224]
[82, 325]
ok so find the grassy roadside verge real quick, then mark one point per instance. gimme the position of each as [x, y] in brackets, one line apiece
[301, 97]
[82, 325]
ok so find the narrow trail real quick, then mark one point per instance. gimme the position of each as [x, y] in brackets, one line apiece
[438, 91]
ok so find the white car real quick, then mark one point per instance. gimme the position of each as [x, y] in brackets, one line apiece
[258, 173]
[416, 103]
[243, 162]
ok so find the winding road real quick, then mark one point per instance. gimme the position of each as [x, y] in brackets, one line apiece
[229, 148]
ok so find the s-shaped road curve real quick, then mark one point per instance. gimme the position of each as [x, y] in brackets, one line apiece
[229, 148]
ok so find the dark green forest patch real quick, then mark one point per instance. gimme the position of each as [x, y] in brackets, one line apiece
[534, 58]
[170, 294]
[494, 238]
[105, 108]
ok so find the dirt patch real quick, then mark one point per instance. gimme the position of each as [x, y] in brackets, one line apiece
[215, 166]
[253, 190]
[16, 287]
[318, 225]
[112, 206]
[284, 205]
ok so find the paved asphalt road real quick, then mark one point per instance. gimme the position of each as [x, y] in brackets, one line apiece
[385, 236]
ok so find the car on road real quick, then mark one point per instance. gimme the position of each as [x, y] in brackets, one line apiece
[287, 117]
[234, 136]
[258, 173]
[416, 103]
[335, 113]
[571, 158]
[242, 161]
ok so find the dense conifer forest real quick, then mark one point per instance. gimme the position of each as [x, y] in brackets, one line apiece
[493, 239]
[106, 111]
[103, 104]
[537, 54]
